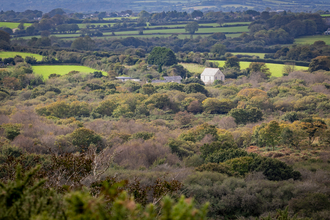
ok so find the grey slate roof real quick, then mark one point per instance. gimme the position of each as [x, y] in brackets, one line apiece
[123, 77]
[210, 71]
[168, 79]
[172, 78]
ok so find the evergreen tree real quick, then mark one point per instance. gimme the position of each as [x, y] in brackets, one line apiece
[162, 56]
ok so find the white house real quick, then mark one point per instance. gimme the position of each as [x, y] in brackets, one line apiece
[210, 74]
[327, 32]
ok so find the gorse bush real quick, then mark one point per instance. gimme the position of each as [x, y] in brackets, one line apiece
[22, 199]
[61, 109]
[11, 130]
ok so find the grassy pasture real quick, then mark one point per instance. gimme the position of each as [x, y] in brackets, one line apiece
[214, 28]
[120, 18]
[108, 35]
[312, 39]
[180, 36]
[275, 69]
[237, 5]
[65, 35]
[193, 68]
[181, 25]
[83, 25]
[13, 25]
[178, 31]
[233, 35]
[223, 29]
[8, 54]
[46, 70]
[206, 24]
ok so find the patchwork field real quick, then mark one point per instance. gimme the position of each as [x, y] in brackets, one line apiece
[207, 24]
[312, 39]
[178, 31]
[275, 69]
[120, 18]
[83, 25]
[193, 68]
[9, 54]
[152, 32]
[46, 70]
[13, 25]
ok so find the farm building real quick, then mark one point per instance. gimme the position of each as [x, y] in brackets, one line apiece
[209, 75]
[176, 79]
[327, 32]
[124, 79]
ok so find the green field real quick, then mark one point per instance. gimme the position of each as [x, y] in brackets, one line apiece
[8, 54]
[178, 31]
[193, 68]
[65, 35]
[325, 15]
[46, 70]
[233, 35]
[108, 35]
[201, 24]
[261, 55]
[275, 69]
[312, 39]
[120, 18]
[237, 5]
[149, 33]
[101, 24]
[13, 25]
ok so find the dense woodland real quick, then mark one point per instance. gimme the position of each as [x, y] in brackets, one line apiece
[89, 146]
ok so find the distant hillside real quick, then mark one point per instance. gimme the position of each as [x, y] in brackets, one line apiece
[166, 5]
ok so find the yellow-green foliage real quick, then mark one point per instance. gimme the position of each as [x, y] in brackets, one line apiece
[11, 130]
[83, 137]
[216, 106]
[251, 92]
[199, 132]
[62, 109]
[106, 107]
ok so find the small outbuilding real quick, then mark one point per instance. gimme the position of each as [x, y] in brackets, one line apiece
[124, 79]
[209, 75]
[327, 32]
[167, 79]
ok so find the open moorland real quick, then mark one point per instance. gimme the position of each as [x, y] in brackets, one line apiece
[166, 115]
